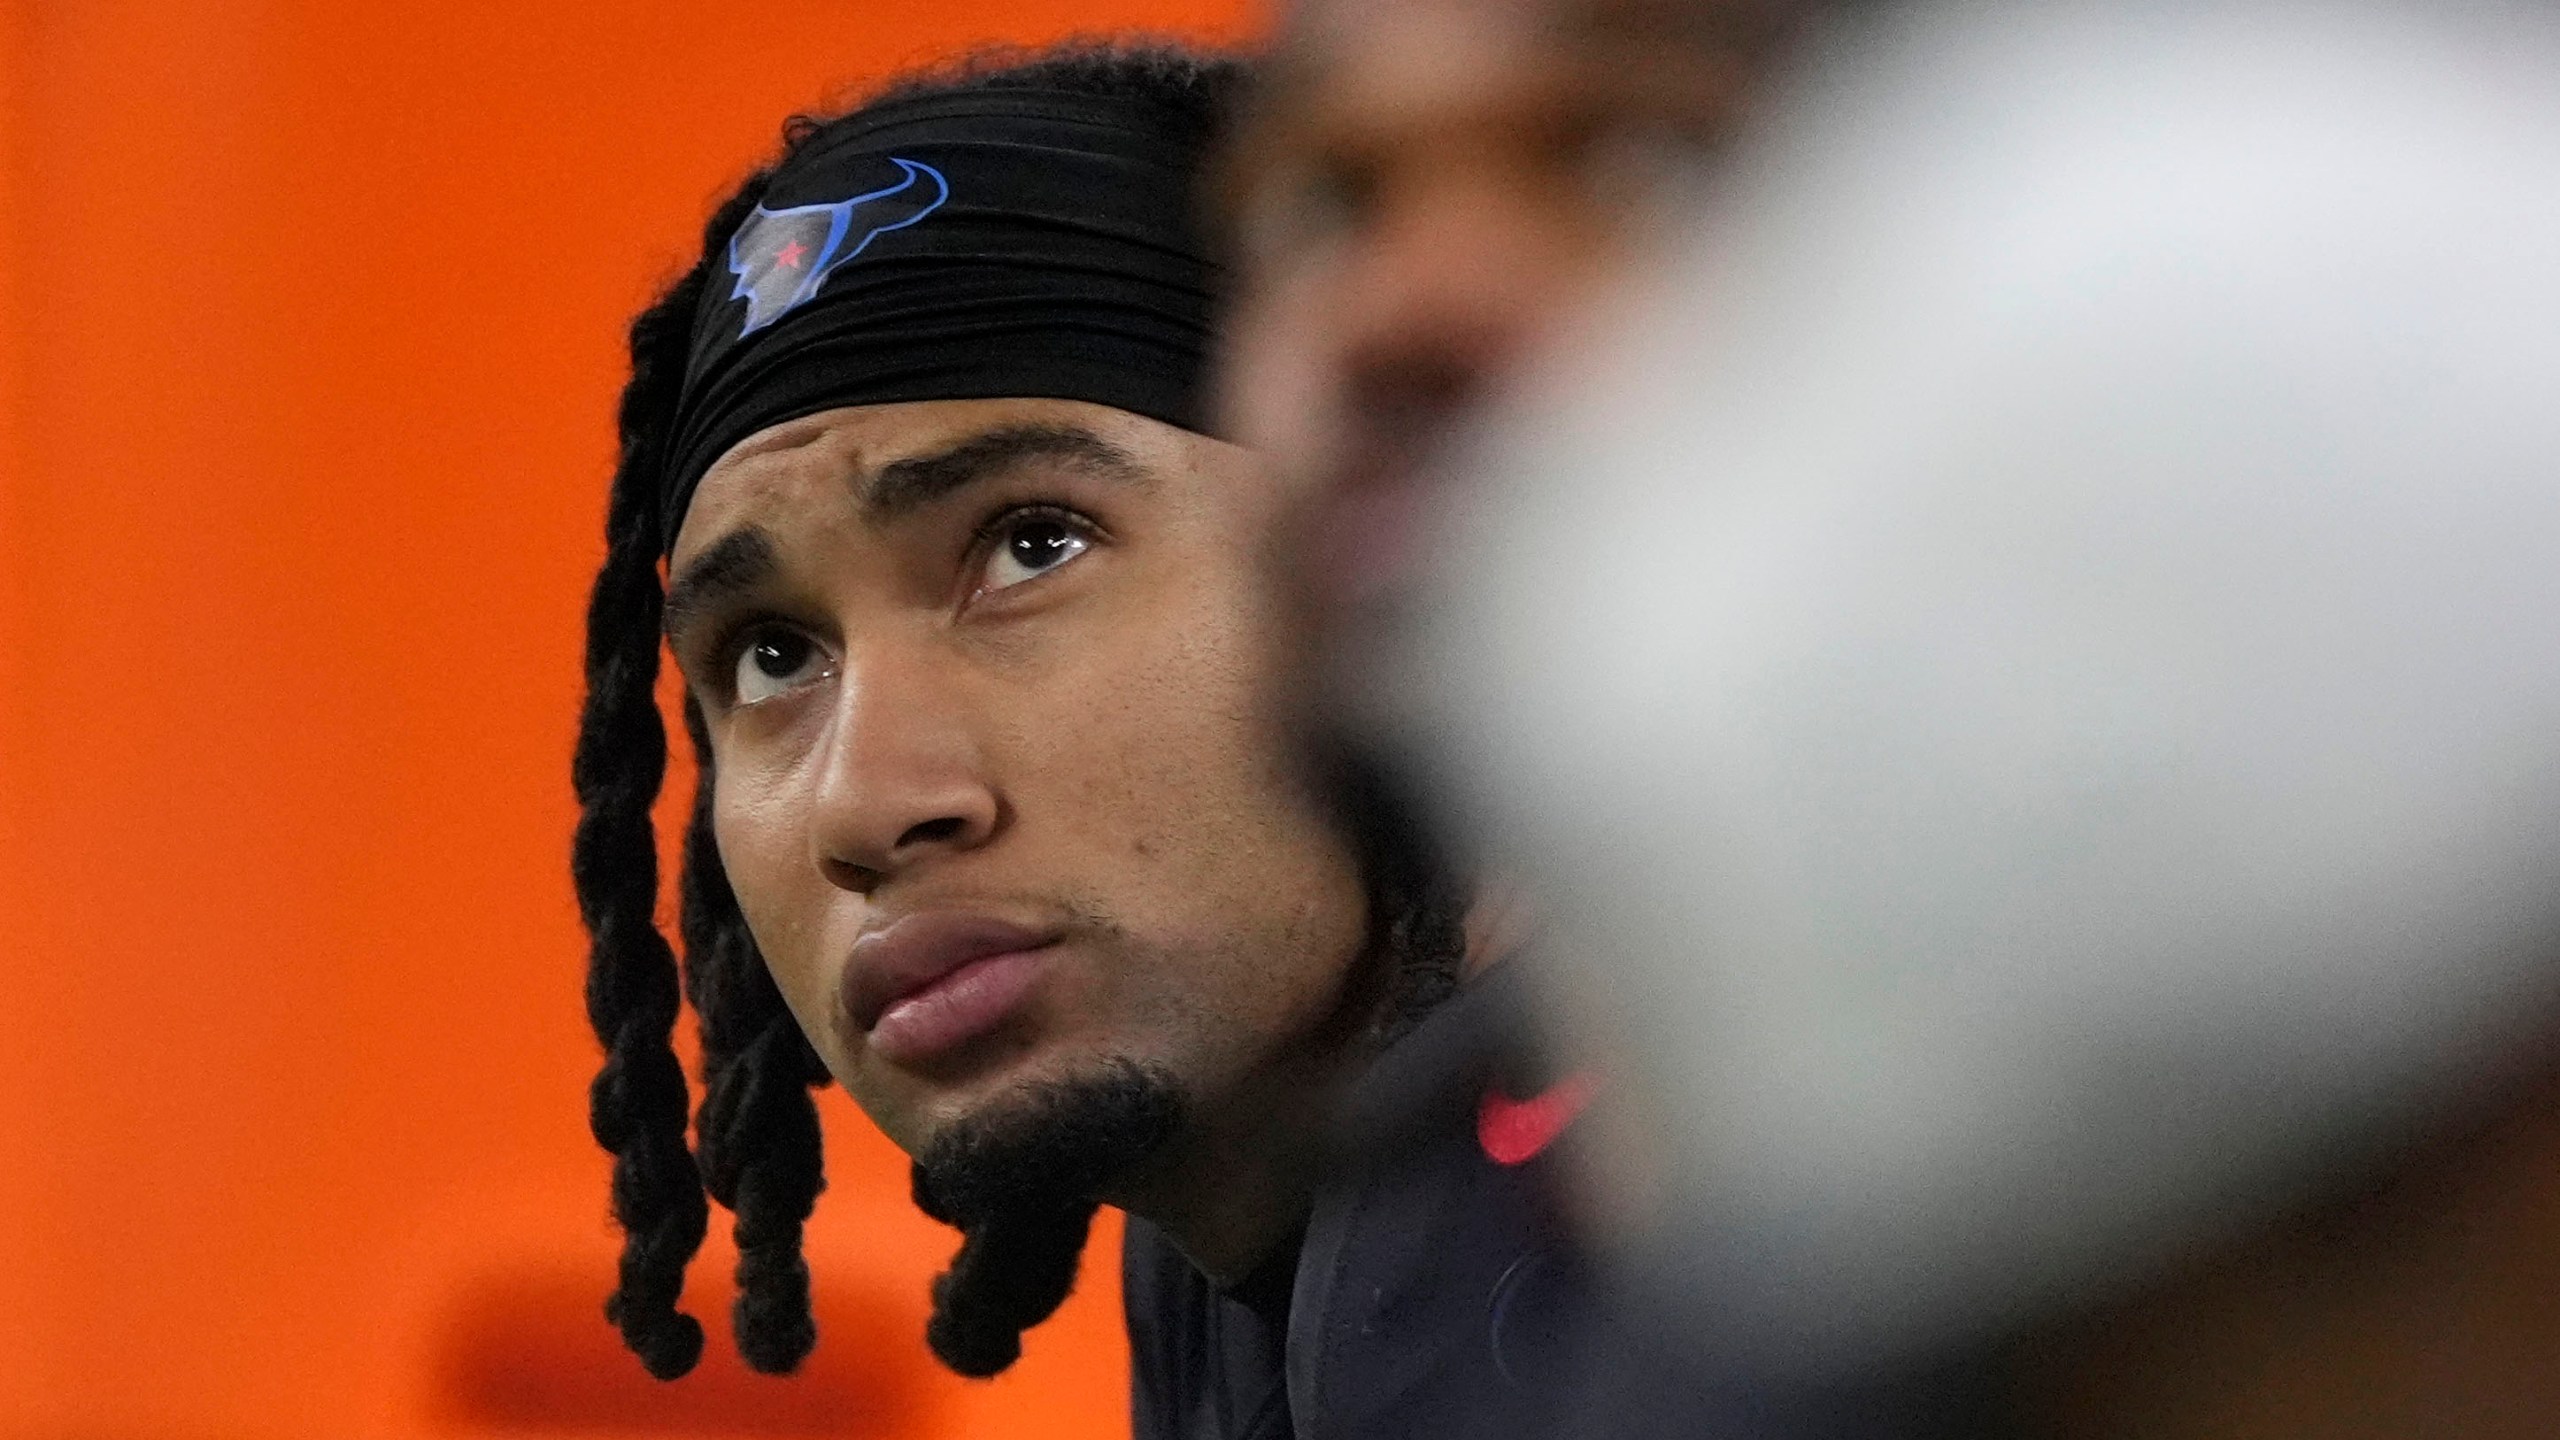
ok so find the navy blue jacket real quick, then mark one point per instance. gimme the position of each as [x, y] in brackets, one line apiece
[1434, 1293]
[1437, 1294]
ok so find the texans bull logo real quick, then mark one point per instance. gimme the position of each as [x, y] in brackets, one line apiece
[781, 257]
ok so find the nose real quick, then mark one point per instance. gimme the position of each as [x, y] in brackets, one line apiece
[901, 778]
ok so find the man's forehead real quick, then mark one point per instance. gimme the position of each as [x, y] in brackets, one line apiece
[878, 462]
[766, 492]
[848, 446]
[774, 468]
[841, 439]
[1320, 22]
[1397, 76]
[1356, 62]
[1321, 34]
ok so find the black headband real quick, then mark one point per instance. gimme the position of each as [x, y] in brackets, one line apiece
[957, 246]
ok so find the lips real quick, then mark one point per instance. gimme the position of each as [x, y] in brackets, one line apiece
[935, 980]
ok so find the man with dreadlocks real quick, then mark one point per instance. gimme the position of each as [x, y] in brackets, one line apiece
[995, 825]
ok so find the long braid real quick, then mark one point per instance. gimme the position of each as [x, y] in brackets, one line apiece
[761, 1150]
[637, 1105]
[1022, 1203]
[1013, 1271]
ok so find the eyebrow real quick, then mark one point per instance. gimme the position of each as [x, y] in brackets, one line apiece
[903, 486]
[736, 562]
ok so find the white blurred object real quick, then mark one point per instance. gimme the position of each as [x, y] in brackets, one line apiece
[2030, 657]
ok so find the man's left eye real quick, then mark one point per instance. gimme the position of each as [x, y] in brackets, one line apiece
[1029, 548]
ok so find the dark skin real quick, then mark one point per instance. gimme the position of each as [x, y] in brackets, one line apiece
[1007, 659]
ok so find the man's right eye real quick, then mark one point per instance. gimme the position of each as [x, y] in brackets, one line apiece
[775, 662]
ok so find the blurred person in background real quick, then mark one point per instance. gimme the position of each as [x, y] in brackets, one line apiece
[994, 826]
[2015, 646]
[1424, 194]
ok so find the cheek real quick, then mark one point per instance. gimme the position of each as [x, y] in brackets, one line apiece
[1539, 243]
[783, 898]
[1197, 809]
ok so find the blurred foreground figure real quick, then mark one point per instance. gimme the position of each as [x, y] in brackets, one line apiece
[2025, 659]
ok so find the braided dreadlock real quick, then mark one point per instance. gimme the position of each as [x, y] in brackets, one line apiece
[757, 1127]
[760, 1148]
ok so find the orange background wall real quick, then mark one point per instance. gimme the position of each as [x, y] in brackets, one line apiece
[309, 328]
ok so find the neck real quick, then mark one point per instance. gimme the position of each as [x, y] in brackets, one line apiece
[2424, 1308]
[1238, 1184]
[1238, 1180]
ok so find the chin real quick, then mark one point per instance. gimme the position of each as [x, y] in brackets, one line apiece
[1064, 1132]
[989, 1079]
[1025, 1077]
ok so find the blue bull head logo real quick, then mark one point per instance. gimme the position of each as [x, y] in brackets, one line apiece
[781, 257]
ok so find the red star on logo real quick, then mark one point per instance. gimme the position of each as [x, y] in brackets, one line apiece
[790, 254]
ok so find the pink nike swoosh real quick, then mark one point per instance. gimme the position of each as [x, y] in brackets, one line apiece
[1512, 1132]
